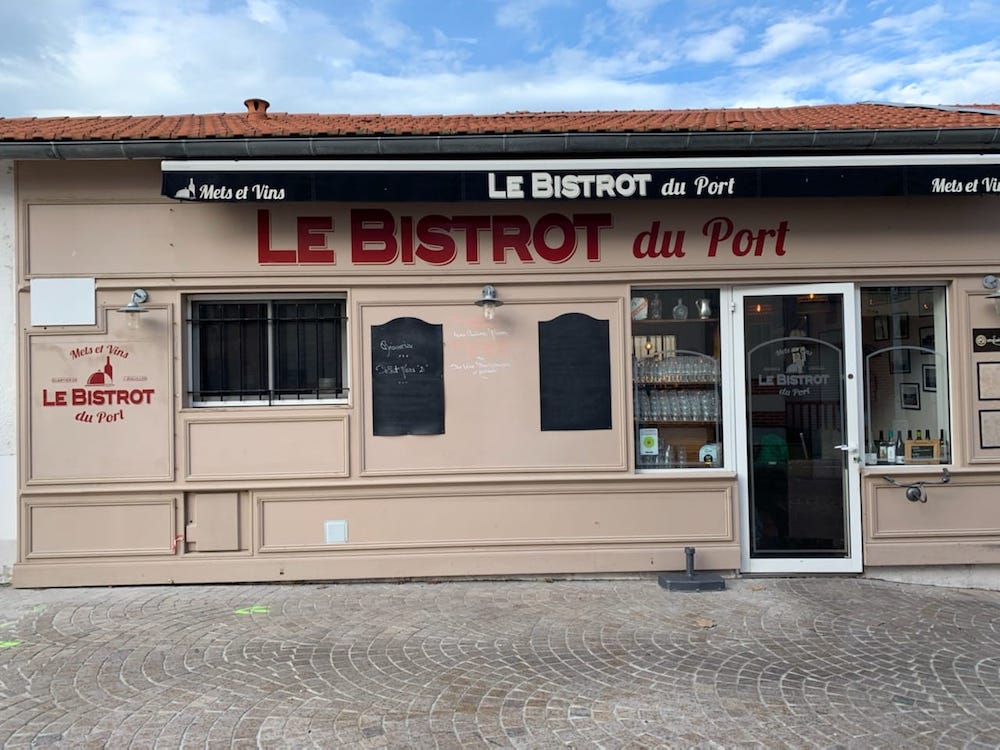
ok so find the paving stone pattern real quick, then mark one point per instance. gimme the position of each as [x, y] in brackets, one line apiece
[768, 663]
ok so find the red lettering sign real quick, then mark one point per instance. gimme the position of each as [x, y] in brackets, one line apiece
[377, 237]
[265, 253]
[744, 241]
[310, 234]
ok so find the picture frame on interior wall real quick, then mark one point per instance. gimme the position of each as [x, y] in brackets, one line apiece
[988, 376]
[899, 293]
[926, 336]
[909, 396]
[928, 377]
[899, 361]
[900, 326]
[881, 324]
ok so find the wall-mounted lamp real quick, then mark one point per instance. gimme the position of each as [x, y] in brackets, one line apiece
[991, 282]
[135, 307]
[488, 301]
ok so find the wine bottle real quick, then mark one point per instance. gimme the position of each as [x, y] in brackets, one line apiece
[900, 447]
[882, 447]
[944, 449]
[890, 450]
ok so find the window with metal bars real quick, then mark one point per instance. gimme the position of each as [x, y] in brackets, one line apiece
[263, 351]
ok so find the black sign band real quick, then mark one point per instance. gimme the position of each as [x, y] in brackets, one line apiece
[427, 185]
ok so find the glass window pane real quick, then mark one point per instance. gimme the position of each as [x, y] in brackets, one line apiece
[329, 348]
[903, 334]
[231, 349]
[307, 349]
[678, 399]
[292, 348]
[795, 386]
[267, 350]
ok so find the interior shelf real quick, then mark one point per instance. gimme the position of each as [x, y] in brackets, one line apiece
[675, 423]
[670, 321]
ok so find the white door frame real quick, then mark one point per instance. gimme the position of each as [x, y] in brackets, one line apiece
[852, 411]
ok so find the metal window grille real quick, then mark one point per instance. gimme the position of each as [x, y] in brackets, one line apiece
[267, 351]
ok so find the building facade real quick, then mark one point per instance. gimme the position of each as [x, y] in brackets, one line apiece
[261, 347]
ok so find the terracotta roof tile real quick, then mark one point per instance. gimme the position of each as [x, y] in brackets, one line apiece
[830, 117]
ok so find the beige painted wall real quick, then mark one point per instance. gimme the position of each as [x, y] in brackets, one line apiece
[175, 493]
[491, 388]
[160, 239]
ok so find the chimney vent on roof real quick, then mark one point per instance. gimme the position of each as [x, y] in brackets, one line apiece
[257, 107]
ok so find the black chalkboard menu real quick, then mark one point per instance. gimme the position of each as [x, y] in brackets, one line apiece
[574, 359]
[408, 378]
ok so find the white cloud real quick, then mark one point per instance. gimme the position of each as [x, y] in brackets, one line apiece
[442, 39]
[910, 24]
[782, 38]
[266, 12]
[957, 77]
[715, 46]
[384, 29]
[519, 14]
[776, 91]
[191, 59]
[634, 7]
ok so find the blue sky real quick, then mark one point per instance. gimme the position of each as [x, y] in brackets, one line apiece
[75, 57]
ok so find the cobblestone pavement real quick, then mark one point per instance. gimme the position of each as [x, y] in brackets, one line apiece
[772, 663]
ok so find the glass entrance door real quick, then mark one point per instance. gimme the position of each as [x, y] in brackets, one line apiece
[798, 453]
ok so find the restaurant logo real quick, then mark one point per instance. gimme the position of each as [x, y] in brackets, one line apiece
[188, 193]
[103, 401]
[378, 237]
[212, 192]
[563, 186]
[791, 378]
[975, 185]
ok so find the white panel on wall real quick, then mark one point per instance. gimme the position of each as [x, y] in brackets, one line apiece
[63, 302]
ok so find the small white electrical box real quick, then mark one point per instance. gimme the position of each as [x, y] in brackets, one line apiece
[335, 532]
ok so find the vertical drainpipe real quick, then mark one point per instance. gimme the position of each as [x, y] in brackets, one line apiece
[8, 371]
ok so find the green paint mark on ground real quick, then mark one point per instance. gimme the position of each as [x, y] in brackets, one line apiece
[5, 625]
[9, 644]
[254, 610]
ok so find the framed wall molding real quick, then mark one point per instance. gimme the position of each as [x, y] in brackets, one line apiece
[988, 378]
[989, 428]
